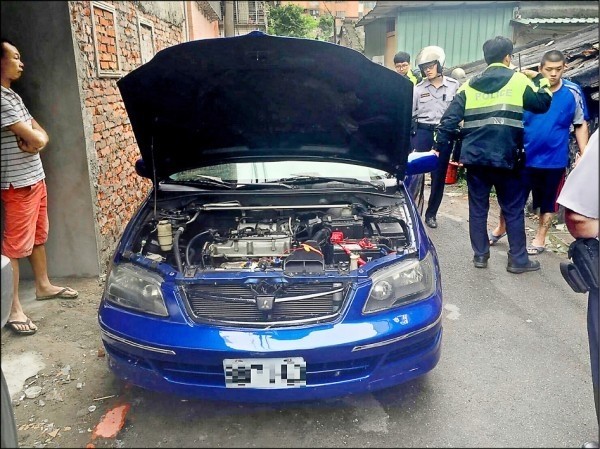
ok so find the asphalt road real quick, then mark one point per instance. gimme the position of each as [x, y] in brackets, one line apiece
[514, 372]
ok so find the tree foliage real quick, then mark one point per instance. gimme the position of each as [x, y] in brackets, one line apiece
[290, 20]
[325, 28]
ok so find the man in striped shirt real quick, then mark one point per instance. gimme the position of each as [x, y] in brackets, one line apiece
[23, 192]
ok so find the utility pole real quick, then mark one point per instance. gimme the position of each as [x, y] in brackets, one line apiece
[333, 16]
[228, 23]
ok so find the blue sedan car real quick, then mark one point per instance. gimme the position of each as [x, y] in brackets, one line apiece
[278, 256]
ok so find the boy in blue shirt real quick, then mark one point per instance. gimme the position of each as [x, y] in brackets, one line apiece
[546, 142]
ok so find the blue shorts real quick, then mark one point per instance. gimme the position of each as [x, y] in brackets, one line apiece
[544, 185]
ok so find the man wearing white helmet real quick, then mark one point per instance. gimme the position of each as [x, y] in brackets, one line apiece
[431, 98]
[459, 75]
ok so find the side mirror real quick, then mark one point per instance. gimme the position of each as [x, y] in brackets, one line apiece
[141, 169]
[424, 162]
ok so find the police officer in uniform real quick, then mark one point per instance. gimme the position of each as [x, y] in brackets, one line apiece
[431, 98]
[491, 105]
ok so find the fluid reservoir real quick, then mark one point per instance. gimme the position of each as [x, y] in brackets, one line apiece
[354, 261]
[165, 235]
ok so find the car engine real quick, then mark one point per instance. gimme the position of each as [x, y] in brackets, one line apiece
[297, 238]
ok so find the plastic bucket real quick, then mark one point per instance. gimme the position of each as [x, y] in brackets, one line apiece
[452, 173]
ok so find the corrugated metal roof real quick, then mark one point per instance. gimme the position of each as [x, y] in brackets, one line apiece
[393, 8]
[580, 49]
[566, 20]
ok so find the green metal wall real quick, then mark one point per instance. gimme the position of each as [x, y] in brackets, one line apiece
[375, 38]
[460, 32]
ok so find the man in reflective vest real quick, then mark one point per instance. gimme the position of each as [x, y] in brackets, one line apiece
[491, 105]
[402, 66]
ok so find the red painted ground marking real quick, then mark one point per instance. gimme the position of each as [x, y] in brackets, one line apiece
[112, 422]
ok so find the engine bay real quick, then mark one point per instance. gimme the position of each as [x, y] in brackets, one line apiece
[299, 235]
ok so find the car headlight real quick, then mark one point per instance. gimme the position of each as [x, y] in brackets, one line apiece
[135, 288]
[400, 284]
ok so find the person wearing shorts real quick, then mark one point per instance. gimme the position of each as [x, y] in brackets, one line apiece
[546, 142]
[24, 196]
[545, 184]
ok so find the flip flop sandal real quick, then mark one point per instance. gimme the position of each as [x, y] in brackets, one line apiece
[533, 250]
[494, 238]
[65, 293]
[13, 327]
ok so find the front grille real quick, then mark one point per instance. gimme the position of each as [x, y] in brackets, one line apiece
[316, 373]
[292, 303]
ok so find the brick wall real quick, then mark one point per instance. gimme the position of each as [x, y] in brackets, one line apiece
[108, 40]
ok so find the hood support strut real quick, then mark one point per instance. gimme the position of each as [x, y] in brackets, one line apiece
[154, 169]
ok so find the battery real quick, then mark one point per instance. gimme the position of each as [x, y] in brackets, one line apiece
[368, 254]
[352, 229]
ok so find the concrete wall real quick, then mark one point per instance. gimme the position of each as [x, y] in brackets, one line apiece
[200, 26]
[49, 87]
[170, 12]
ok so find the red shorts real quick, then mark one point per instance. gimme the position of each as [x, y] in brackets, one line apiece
[25, 219]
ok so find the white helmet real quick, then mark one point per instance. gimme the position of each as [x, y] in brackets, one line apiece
[459, 75]
[430, 54]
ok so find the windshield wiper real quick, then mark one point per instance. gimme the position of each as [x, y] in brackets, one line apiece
[318, 179]
[204, 181]
[263, 185]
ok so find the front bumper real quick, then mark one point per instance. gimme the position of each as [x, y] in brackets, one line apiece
[343, 358]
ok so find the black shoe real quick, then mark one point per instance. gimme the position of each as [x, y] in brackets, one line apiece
[481, 261]
[430, 221]
[532, 265]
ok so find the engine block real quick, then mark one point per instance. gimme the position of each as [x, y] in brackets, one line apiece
[274, 245]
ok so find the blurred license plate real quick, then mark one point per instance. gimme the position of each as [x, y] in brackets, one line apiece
[287, 372]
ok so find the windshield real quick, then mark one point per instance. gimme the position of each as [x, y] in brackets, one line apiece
[264, 172]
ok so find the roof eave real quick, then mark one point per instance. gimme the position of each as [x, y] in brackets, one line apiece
[388, 9]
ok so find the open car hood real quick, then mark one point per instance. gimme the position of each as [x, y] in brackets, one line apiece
[266, 98]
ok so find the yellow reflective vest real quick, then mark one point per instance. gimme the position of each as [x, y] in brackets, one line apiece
[503, 107]
[411, 76]
[493, 120]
